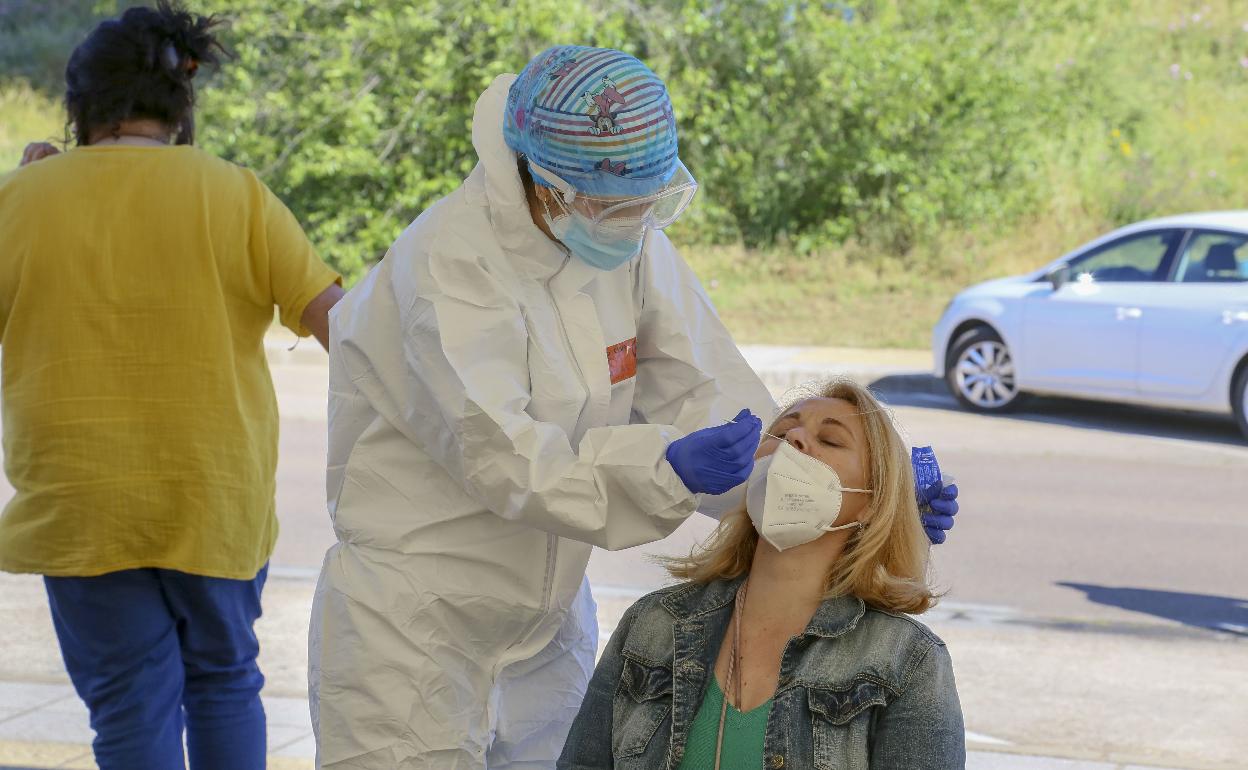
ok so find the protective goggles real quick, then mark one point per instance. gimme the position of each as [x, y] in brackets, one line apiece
[608, 215]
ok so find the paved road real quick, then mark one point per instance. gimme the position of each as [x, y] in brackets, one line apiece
[1071, 510]
[1097, 582]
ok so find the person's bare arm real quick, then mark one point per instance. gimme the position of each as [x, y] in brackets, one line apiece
[316, 314]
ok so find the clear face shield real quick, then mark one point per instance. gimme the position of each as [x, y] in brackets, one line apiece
[611, 219]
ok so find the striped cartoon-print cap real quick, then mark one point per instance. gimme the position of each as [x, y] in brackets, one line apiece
[597, 118]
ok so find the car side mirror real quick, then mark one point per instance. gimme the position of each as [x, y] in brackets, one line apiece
[1058, 276]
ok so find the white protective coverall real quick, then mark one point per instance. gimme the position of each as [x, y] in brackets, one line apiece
[478, 449]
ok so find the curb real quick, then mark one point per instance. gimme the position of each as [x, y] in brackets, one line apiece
[779, 377]
[883, 382]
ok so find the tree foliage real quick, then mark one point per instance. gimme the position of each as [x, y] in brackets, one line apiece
[809, 124]
[806, 121]
[36, 37]
[359, 113]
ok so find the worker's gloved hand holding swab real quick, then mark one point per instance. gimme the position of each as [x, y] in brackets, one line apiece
[714, 460]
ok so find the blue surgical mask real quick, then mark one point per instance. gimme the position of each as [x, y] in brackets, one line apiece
[573, 231]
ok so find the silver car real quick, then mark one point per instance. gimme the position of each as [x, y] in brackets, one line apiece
[1154, 313]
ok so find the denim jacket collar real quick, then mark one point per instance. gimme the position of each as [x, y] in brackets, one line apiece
[833, 618]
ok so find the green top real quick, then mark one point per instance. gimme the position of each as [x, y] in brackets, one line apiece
[743, 735]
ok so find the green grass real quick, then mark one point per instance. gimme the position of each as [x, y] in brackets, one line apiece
[822, 299]
[26, 116]
[855, 296]
[1175, 75]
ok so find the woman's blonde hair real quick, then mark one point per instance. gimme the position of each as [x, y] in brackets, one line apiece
[885, 563]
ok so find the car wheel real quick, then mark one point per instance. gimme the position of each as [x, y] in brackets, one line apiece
[980, 372]
[1239, 400]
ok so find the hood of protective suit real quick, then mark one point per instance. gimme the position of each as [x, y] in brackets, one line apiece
[498, 179]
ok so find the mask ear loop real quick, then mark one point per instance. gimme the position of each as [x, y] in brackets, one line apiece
[850, 525]
[566, 191]
[567, 209]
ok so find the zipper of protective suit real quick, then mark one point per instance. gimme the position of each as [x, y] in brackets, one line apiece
[553, 540]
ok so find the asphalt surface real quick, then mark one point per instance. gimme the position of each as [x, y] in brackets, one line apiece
[1097, 578]
[1071, 510]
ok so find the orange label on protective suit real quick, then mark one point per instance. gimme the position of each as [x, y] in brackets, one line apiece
[622, 360]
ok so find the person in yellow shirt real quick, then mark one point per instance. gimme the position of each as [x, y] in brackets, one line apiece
[138, 276]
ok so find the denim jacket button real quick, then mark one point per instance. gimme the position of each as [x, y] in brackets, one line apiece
[777, 761]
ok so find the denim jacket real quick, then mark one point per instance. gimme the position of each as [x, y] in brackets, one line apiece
[859, 688]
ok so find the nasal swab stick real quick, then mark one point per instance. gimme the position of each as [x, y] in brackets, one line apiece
[765, 433]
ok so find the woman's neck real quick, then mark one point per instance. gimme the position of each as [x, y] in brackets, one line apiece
[792, 583]
[783, 593]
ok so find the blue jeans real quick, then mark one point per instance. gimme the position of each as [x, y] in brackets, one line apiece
[153, 651]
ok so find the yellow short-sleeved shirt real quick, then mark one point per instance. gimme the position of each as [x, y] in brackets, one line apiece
[140, 424]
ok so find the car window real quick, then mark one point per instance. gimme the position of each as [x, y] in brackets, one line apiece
[1139, 257]
[1214, 258]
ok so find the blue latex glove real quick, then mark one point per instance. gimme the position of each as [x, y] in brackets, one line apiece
[714, 460]
[944, 504]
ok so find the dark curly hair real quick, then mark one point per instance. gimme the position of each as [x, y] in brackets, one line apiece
[140, 66]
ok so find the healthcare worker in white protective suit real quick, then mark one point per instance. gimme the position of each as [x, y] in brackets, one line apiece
[532, 370]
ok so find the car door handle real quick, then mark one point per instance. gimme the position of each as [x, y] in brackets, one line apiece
[1129, 313]
[1234, 316]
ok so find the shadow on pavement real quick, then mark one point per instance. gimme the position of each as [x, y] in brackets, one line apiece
[926, 391]
[1219, 613]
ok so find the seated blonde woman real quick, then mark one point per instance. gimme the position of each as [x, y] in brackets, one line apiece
[806, 629]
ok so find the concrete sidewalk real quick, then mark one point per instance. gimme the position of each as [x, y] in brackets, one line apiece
[44, 725]
[54, 734]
